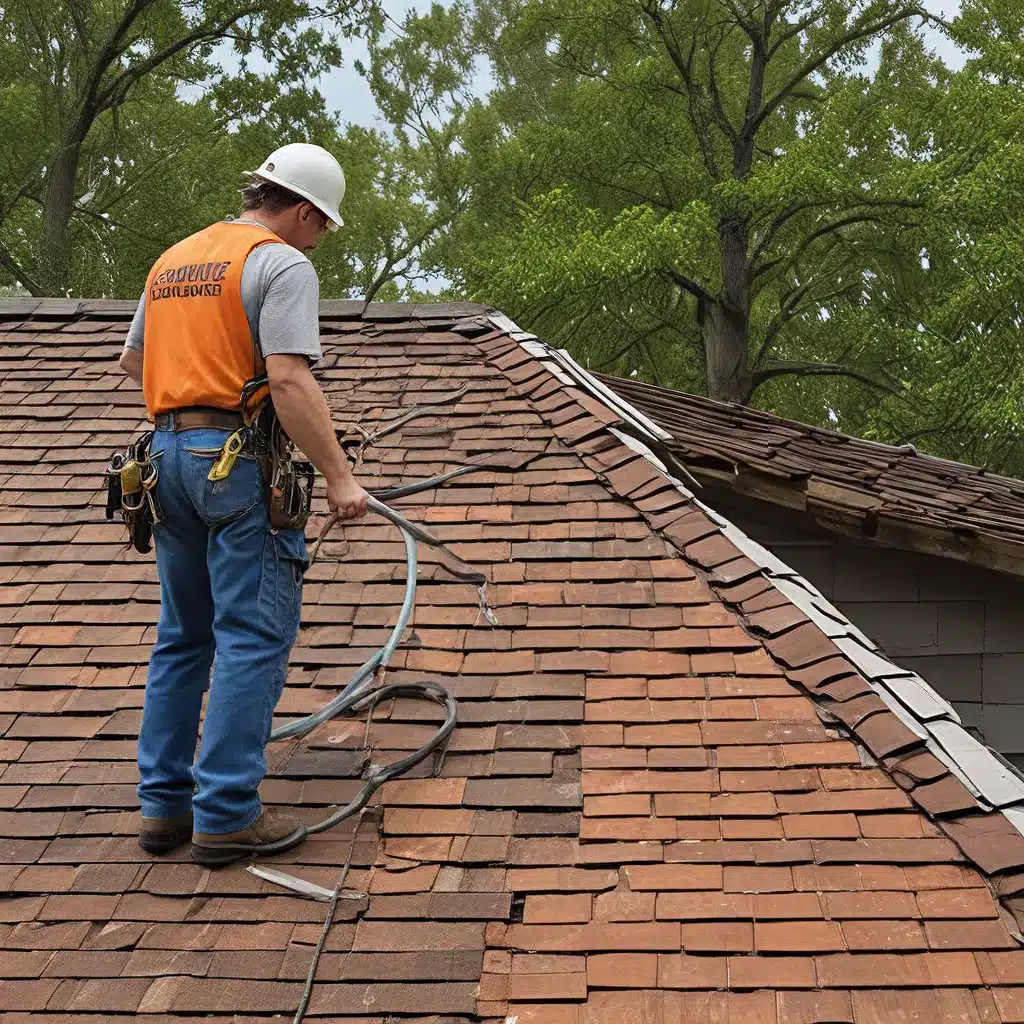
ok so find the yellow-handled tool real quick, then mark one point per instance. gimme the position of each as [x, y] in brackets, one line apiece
[131, 477]
[229, 453]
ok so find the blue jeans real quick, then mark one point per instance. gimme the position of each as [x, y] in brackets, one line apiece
[230, 599]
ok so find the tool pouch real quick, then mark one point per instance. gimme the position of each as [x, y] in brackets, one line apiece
[287, 482]
[131, 482]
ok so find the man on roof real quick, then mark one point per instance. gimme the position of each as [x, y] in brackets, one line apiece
[221, 307]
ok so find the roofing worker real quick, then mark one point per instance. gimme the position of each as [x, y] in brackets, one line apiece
[217, 307]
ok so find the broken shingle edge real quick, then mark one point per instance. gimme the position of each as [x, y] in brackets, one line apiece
[983, 810]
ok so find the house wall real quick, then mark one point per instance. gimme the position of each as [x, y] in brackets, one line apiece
[960, 627]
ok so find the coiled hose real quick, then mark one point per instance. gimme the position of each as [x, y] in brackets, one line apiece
[359, 693]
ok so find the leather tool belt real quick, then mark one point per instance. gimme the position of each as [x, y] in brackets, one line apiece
[131, 482]
[198, 416]
[287, 481]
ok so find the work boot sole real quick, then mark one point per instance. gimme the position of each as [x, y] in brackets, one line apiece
[219, 854]
[165, 842]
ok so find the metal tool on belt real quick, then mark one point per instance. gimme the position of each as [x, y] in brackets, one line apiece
[131, 482]
[233, 447]
[287, 481]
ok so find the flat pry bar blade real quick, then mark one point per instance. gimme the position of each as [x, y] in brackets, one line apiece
[300, 885]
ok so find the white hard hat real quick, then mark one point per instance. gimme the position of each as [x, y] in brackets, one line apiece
[310, 172]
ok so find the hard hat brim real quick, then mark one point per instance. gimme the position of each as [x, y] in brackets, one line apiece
[332, 215]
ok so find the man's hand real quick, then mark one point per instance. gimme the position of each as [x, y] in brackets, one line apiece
[303, 412]
[346, 498]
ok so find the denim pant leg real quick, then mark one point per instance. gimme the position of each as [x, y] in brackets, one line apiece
[256, 579]
[179, 667]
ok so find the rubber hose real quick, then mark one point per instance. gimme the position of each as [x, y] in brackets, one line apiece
[354, 695]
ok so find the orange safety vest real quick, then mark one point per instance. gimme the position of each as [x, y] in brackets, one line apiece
[198, 347]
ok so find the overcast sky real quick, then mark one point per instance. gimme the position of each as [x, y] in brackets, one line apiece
[346, 92]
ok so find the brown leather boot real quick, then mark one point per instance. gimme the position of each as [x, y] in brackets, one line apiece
[161, 835]
[272, 832]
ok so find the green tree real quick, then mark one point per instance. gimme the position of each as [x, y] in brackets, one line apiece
[950, 304]
[419, 76]
[84, 82]
[683, 189]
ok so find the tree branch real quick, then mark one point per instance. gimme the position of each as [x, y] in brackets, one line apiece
[663, 204]
[812, 64]
[11, 265]
[110, 222]
[748, 26]
[169, 154]
[688, 284]
[791, 307]
[393, 259]
[641, 340]
[116, 93]
[798, 368]
[382, 277]
[717, 106]
[652, 362]
[695, 95]
[794, 30]
[112, 49]
[22, 193]
[616, 356]
[833, 227]
[78, 17]
[788, 214]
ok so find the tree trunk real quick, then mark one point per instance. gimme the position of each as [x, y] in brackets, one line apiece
[725, 324]
[725, 352]
[59, 203]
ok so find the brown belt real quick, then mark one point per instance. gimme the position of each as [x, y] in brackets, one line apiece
[197, 416]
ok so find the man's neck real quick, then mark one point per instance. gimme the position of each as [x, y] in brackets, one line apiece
[255, 217]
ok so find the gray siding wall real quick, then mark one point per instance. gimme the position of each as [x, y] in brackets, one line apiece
[960, 627]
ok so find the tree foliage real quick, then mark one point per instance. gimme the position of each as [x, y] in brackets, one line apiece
[727, 196]
[89, 84]
[127, 126]
[419, 77]
[793, 203]
[705, 177]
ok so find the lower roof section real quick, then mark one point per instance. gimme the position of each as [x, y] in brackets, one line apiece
[892, 495]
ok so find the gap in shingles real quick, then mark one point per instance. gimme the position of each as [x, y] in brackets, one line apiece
[518, 908]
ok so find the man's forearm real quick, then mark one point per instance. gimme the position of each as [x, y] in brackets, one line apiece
[131, 363]
[302, 410]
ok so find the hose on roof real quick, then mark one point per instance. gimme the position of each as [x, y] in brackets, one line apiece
[359, 693]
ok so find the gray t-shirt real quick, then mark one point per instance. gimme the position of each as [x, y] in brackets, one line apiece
[281, 296]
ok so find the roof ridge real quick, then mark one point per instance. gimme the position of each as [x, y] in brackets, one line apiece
[907, 450]
[21, 308]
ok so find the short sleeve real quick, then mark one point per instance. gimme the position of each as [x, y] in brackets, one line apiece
[137, 331]
[290, 313]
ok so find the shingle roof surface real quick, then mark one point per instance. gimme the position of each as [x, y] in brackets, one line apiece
[642, 818]
[896, 494]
